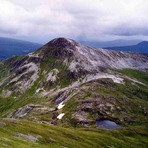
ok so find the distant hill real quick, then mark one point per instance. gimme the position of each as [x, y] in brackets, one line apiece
[114, 43]
[141, 47]
[10, 47]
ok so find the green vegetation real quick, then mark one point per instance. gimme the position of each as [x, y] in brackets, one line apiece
[4, 71]
[123, 103]
[19, 133]
[139, 75]
[10, 104]
[68, 110]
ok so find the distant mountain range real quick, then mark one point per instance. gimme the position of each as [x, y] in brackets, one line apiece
[121, 45]
[10, 47]
[114, 43]
[141, 47]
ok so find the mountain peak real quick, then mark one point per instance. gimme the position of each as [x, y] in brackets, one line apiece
[58, 47]
[143, 43]
[62, 42]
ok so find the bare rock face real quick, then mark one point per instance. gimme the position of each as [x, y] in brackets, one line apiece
[83, 58]
[87, 58]
[24, 111]
[21, 112]
[91, 59]
[71, 60]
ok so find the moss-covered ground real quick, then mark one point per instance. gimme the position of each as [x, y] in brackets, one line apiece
[57, 137]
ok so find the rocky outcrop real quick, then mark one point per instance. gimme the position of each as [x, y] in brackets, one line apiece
[24, 111]
[21, 112]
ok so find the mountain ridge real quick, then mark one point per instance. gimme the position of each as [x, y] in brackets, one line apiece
[113, 43]
[11, 47]
[141, 47]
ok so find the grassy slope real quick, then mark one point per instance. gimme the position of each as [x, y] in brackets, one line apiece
[139, 75]
[55, 137]
[4, 71]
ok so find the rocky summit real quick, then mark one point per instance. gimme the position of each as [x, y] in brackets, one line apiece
[68, 84]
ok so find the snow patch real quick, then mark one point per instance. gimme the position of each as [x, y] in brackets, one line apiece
[60, 116]
[61, 105]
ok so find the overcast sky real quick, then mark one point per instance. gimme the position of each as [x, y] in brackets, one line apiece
[42, 20]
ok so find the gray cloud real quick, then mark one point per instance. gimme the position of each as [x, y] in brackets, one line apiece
[84, 19]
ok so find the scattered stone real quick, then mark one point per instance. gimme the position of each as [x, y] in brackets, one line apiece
[28, 137]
